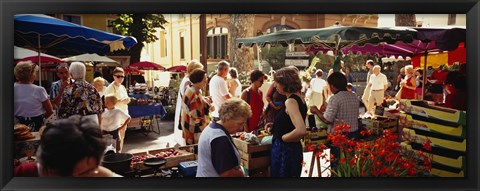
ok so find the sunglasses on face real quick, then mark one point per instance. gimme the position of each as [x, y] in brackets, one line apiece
[119, 76]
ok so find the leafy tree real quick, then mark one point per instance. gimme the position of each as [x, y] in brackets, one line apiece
[142, 27]
[275, 56]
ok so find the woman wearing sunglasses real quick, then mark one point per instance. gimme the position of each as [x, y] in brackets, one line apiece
[116, 88]
[119, 90]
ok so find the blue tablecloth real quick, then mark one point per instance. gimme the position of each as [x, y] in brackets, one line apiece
[146, 110]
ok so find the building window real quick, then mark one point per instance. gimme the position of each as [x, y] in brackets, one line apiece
[217, 39]
[182, 46]
[73, 19]
[452, 18]
[111, 28]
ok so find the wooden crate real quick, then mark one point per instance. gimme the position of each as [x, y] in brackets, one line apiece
[381, 123]
[253, 156]
[173, 161]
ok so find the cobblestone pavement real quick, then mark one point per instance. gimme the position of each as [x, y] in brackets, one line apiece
[137, 141]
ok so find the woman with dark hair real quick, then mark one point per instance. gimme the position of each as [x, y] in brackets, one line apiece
[196, 107]
[288, 127]
[71, 147]
[276, 103]
[254, 97]
[419, 79]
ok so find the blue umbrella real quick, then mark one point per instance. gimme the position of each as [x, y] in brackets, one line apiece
[45, 33]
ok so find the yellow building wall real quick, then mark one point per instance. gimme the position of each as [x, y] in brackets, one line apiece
[187, 24]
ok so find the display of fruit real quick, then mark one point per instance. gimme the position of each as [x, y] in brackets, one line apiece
[141, 158]
[167, 153]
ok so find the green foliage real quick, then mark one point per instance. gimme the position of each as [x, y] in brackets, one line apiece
[140, 26]
[275, 56]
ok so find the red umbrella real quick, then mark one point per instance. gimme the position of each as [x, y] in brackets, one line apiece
[178, 68]
[43, 59]
[132, 71]
[145, 65]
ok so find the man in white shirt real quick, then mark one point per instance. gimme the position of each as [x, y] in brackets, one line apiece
[218, 87]
[378, 84]
[366, 92]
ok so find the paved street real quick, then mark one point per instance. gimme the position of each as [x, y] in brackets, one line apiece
[139, 142]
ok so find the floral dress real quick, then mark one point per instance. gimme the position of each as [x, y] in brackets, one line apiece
[194, 117]
[80, 98]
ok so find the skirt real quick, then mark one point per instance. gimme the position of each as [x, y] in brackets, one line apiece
[286, 158]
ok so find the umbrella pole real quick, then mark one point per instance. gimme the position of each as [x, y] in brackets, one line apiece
[39, 62]
[424, 73]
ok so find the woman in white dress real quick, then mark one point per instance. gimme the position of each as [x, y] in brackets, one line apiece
[177, 132]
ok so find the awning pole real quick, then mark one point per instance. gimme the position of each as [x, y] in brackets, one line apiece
[424, 72]
[39, 62]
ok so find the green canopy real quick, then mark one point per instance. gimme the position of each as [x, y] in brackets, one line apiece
[332, 38]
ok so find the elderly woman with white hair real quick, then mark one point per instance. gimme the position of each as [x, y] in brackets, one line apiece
[31, 103]
[80, 97]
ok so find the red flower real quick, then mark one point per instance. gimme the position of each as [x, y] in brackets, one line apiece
[353, 161]
[427, 146]
[411, 171]
[343, 160]
[363, 173]
[311, 148]
[420, 153]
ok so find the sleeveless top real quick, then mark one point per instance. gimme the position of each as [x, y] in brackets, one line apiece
[282, 123]
[406, 92]
[255, 100]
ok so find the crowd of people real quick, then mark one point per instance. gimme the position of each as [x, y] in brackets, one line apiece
[210, 120]
[72, 102]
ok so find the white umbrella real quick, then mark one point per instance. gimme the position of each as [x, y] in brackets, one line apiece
[90, 58]
[20, 53]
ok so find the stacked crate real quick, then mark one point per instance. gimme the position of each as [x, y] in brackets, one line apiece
[379, 124]
[444, 128]
[315, 138]
[255, 158]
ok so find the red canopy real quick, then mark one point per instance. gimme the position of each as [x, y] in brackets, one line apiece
[43, 59]
[178, 68]
[145, 65]
[132, 71]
